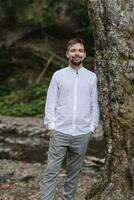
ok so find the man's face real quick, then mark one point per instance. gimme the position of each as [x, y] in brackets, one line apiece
[76, 54]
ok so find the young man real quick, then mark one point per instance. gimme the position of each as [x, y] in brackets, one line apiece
[72, 114]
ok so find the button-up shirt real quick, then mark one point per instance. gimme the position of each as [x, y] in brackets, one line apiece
[72, 101]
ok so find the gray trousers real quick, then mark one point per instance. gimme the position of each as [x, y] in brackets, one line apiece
[60, 144]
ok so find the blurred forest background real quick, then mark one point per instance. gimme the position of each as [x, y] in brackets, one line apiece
[33, 37]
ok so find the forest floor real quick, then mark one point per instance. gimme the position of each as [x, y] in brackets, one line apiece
[22, 180]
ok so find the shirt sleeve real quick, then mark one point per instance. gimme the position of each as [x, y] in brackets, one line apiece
[94, 107]
[51, 101]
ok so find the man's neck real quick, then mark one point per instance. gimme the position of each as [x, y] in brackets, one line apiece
[76, 67]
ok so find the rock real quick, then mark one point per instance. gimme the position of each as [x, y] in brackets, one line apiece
[27, 178]
[27, 139]
[6, 177]
[23, 139]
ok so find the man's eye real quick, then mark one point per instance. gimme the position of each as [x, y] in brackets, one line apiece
[73, 50]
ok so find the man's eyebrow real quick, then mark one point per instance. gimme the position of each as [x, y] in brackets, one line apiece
[78, 49]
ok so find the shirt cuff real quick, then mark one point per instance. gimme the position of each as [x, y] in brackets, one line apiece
[92, 128]
[51, 125]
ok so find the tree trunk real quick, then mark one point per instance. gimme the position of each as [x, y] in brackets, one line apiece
[113, 27]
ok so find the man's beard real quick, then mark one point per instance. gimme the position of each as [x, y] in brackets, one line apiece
[76, 62]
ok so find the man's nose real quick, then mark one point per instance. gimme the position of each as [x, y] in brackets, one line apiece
[77, 53]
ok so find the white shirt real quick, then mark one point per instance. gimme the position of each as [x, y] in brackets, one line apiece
[72, 102]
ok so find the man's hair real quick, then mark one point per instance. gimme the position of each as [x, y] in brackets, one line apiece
[74, 41]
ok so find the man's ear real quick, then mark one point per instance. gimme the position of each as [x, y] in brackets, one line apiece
[67, 54]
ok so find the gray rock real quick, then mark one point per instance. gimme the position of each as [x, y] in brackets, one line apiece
[27, 139]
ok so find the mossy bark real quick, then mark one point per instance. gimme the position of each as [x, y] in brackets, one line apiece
[113, 27]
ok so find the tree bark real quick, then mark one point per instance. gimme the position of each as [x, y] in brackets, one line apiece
[113, 27]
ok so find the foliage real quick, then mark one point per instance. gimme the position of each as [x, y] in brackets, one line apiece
[43, 13]
[19, 96]
[29, 12]
[20, 102]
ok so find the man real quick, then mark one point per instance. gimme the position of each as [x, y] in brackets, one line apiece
[72, 114]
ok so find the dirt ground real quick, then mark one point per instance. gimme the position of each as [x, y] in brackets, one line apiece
[22, 181]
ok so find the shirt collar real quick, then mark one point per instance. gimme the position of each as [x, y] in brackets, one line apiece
[74, 70]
